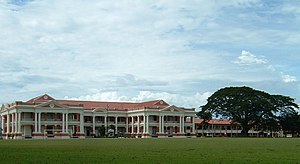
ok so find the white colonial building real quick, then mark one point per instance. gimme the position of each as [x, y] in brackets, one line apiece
[45, 117]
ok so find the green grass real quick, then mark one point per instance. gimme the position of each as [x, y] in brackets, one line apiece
[198, 150]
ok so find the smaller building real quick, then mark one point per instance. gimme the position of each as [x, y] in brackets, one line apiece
[227, 128]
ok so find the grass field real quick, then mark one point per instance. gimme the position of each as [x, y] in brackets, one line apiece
[198, 150]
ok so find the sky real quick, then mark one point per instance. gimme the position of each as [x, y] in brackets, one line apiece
[139, 50]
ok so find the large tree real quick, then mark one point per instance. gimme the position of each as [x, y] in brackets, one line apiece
[248, 107]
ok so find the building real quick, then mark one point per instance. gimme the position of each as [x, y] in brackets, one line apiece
[228, 128]
[46, 117]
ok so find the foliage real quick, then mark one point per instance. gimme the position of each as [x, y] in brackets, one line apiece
[290, 123]
[248, 107]
[102, 131]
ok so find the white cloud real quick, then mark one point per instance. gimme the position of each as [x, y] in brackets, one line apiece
[288, 78]
[247, 58]
[66, 47]
[193, 101]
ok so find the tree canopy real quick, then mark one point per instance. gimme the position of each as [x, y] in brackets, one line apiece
[248, 107]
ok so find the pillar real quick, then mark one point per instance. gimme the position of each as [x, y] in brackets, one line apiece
[180, 124]
[81, 123]
[163, 124]
[183, 128]
[16, 122]
[63, 122]
[67, 122]
[127, 124]
[35, 122]
[2, 122]
[40, 122]
[19, 122]
[138, 124]
[159, 125]
[94, 124]
[116, 120]
[193, 126]
[7, 126]
[105, 122]
[144, 126]
[132, 125]
[12, 123]
[147, 124]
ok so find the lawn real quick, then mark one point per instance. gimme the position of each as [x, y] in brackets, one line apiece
[198, 150]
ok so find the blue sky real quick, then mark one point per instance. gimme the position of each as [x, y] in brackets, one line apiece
[180, 51]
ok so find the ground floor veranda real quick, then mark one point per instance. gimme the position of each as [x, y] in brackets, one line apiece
[68, 125]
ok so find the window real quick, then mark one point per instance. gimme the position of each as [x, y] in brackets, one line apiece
[121, 119]
[58, 116]
[87, 119]
[111, 119]
[50, 116]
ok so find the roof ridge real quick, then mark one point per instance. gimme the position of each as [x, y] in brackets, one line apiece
[120, 102]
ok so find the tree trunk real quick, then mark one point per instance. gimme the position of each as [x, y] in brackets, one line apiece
[245, 130]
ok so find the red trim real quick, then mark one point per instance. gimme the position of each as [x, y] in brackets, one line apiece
[61, 134]
[79, 134]
[37, 134]
[178, 134]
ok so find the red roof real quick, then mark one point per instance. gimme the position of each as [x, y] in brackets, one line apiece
[155, 104]
[215, 121]
[115, 105]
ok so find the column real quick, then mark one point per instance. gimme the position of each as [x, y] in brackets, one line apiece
[7, 124]
[132, 124]
[180, 123]
[2, 123]
[105, 122]
[127, 122]
[40, 122]
[138, 124]
[35, 122]
[81, 123]
[16, 122]
[147, 124]
[19, 122]
[67, 123]
[94, 124]
[144, 126]
[63, 122]
[193, 127]
[183, 128]
[163, 124]
[116, 120]
[12, 123]
[160, 124]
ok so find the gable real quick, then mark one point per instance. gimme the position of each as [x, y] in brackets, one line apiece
[172, 109]
[100, 110]
[162, 103]
[51, 104]
[41, 98]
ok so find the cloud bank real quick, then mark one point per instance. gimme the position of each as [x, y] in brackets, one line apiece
[137, 50]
